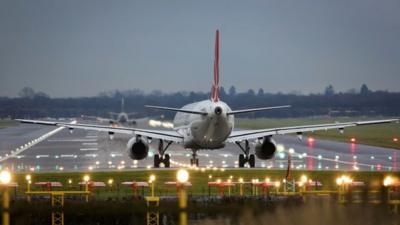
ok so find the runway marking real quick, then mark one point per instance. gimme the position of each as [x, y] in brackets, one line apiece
[88, 149]
[94, 136]
[32, 143]
[91, 143]
[91, 155]
[42, 156]
[72, 140]
[68, 156]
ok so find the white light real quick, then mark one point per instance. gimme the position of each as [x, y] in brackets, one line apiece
[5, 177]
[182, 176]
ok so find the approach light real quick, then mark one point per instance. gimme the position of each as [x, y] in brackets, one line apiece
[388, 181]
[5, 177]
[240, 180]
[353, 140]
[110, 181]
[303, 178]
[152, 178]
[28, 177]
[395, 139]
[182, 176]
[86, 178]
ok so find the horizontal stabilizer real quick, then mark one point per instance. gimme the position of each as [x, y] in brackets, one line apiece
[176, 109]
[256, 109]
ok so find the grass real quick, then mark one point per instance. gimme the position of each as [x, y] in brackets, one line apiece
[376, 135]
[7, 123]
[198, 179]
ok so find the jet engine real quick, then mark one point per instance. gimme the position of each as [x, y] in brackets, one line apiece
[265, 149]
[137, 148]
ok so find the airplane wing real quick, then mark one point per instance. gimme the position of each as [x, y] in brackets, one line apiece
[158, 134]
[241, 135]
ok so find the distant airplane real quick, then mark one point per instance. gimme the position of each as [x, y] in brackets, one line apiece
[208, 124]
[121, 118]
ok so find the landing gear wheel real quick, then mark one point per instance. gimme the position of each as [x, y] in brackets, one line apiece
[166, 161]
[157, 161]
[252, 161]
[242, 161]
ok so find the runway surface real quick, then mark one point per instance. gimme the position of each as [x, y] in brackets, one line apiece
[91, 150]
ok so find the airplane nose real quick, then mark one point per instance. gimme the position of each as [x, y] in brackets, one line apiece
[218, 110]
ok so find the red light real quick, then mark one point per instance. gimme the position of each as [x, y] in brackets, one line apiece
[395, 139]
[353, 140]
[311, 139]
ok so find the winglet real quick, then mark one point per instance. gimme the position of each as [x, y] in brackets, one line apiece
[215, 86]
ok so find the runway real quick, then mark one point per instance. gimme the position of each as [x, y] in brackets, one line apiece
[91, 150]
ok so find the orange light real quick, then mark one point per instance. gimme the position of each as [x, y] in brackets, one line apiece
[395, 139]
[353, 140]
[311, 139]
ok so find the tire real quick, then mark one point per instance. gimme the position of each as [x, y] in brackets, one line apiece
[241, 161]
[252, 161]
[156, 161]
[166, 161]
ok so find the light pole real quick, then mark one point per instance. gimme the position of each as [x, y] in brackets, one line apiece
[241, 186]
[152, 178]
[5, 179]
[182, 177]
[28, 178]
[86, 179]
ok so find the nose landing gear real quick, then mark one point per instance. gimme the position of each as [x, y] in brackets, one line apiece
[194, 161]
[246, 157]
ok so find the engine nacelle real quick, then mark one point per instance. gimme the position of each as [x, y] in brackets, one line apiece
[137, 148]
[265, 149]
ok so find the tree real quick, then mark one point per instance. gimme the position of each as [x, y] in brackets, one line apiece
[260, 92]
[26, 92]
[329, 91]
[232, 91]
[222, 92]
[364, 90]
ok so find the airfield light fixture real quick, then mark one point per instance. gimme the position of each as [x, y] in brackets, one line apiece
[303, 178]
[28, 177]
[353, 140]
[388, 181]
[5, 177]
[395, 139]
[182, 176]
[240, 180]
[152, 178]
[69, 181]
[267, 180]
[110, 182]
[86, 178]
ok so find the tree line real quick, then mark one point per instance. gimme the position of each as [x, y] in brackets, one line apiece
[31, 104]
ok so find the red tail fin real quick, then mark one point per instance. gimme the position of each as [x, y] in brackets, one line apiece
[215, 86]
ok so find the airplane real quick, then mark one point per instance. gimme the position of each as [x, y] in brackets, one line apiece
[208, 125]
[121, 118]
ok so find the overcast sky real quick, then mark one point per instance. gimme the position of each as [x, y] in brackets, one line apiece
[82, 47]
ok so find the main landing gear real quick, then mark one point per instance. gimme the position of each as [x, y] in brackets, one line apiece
[194, 161]
[246, 157]
[161, 157]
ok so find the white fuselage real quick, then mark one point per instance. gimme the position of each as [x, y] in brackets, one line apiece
[205, 131]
